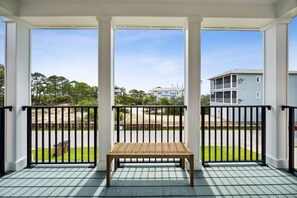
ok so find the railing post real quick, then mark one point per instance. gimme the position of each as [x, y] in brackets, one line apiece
[203, 134]
[263, 139]
[2, 141]
[291, 140]
[29, 134]
[95, 135]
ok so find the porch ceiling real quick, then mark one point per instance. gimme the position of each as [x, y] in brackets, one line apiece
[161, 14]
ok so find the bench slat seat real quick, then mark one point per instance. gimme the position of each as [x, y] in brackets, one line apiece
[150, 150]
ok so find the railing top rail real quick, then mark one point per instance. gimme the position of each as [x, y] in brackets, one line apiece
[6, 107]
[149, 106]
[49, 106]
[288, 107]
[212, 106]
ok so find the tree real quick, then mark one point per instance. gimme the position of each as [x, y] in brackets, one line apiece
[38, 88]
[205, 100]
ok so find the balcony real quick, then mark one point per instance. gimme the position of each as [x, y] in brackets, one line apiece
[243, 141]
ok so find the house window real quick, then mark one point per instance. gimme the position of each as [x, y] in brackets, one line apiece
[258, 95]
[258, 79]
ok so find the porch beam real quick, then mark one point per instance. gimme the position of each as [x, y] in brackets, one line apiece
[106, 88]
[17, 91]
[193, 87]
[276, 91]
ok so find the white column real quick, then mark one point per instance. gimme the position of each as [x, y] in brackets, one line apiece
[276, 91]
[193, 87]
[17, 92]
[106, 88]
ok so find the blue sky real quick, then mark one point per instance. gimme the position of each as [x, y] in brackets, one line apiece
[146, 58]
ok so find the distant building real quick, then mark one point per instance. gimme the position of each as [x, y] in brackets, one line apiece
[168, 93]
[245, 87]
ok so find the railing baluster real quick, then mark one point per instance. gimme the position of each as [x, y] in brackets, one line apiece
[221, 143]
[82, 134]
[62, 146]
[49, 135]
[215, 133]
[88, 109]
[69, 147]
[36, 135]
[75, 134]
[239, 134]
[251, 134]
[156, 124]
[291, 140]
[233, 133]
[173, 124]
[257, 133]
[125, 125]
[56, 134]
[209, 133]
[131, 124]
[118, 123]
[42, 133]
[227, 157]
[245, 138]
[181, 124]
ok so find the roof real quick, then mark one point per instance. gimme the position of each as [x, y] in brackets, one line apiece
[243, 71]
[167, 89]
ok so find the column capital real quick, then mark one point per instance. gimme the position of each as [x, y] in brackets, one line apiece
[194, 19]
[104, 18]
[277, 21]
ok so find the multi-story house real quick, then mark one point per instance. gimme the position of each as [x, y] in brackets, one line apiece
[168, 93]
[245, 87]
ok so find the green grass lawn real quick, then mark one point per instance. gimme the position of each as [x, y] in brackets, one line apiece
[230, 154]
[66, 155]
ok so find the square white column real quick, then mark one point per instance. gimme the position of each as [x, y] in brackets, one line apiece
[17, 92]
[276, 91]
[193, 87]
[106, 88]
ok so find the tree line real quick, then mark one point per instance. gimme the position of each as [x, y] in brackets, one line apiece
[57, 90]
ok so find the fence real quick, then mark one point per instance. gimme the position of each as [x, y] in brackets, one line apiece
[61, 134]
[149, 124]
[233, 134]
[2, 138]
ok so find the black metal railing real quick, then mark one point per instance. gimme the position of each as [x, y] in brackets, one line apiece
[149, 124]
[2, 138]
[233, 134]
[292, 130]
[61, 134]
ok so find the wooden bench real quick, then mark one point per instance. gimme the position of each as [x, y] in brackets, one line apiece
[149, 150]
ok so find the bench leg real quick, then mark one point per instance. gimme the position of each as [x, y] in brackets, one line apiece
[116, 160]
[191, 162]
[182, 163]
[108, 171]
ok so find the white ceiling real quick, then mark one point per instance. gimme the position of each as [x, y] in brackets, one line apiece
[146, 14]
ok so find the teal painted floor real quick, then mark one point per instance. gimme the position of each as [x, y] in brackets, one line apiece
[150, 181]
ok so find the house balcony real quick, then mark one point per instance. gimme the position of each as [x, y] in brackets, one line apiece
[233, 154]
[41, 147]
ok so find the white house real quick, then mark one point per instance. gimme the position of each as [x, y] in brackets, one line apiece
[168, 93]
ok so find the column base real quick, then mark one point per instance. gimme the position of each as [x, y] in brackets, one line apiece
[276, 163]
[197, 165]
[101, 166]
[16, 166]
